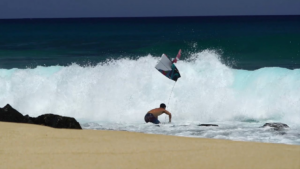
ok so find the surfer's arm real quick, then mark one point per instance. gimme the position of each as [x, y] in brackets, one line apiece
[170, 115]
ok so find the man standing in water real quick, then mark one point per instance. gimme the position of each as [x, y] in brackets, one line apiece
[153, 114]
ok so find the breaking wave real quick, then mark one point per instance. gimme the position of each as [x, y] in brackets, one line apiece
[124, 90]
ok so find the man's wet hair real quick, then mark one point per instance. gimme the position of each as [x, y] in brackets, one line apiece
[162, 105]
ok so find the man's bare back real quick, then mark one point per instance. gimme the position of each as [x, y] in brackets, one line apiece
[157, 112]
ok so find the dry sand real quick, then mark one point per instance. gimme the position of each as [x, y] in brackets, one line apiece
[34, 147]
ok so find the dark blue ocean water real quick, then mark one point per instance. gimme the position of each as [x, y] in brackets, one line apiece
[237, 72]
[250, 42]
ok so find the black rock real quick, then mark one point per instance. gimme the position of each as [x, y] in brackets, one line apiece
[56, 121]
[9, 114]
[28, 119]
[207, 125]
[276, 126]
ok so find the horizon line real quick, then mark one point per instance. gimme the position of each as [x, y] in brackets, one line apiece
[128, 17]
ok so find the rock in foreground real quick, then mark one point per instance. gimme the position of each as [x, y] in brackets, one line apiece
[9, 114]
[57, 121]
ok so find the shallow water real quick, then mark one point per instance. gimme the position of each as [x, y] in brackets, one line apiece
[238, 131]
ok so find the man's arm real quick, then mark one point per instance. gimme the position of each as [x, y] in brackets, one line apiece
[170, 115]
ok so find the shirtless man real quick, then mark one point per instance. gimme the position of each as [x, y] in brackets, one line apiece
[153, 114]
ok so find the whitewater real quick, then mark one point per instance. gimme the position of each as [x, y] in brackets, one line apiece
[117, 93]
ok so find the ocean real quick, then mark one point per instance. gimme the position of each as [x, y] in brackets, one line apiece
[238, 72]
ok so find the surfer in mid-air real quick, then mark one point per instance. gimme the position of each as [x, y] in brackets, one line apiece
[152, 115]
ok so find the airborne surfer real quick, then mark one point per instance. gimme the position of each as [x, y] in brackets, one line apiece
[152, 115]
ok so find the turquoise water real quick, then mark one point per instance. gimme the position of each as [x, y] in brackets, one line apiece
[238, 72]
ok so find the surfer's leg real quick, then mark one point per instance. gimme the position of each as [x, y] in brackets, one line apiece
[155, 121]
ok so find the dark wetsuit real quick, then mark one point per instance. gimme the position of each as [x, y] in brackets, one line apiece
[151, 118]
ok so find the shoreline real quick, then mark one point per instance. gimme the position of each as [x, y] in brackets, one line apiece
[34, 146]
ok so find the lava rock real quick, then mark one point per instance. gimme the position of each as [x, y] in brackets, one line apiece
[207, 125]
[276, 126]
[56, 121]
[28, 119]
[9, 114]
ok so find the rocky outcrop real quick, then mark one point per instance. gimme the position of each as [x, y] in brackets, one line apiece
[276, 126]
[9, 114]
[56, 121]
[207, 125]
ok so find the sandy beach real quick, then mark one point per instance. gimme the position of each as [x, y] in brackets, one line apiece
[32, 146]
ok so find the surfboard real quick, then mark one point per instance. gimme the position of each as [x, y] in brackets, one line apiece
[167, 68]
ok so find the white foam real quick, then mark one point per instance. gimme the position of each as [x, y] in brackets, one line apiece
[124, 90]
